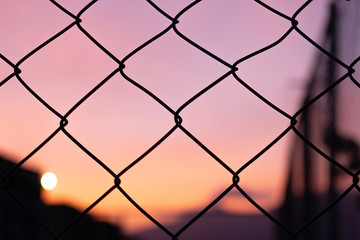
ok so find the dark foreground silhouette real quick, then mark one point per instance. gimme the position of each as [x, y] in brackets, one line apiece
[24, 216]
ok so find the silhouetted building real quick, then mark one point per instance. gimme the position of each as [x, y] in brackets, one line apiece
[24, 216]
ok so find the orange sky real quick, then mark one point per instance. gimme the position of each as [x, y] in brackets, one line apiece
[119, 122]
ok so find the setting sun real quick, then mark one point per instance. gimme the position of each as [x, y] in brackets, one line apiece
[48, 181]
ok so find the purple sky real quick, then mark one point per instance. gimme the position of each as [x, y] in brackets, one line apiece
[119, 122]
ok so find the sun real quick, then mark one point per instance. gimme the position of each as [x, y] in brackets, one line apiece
[48, 181]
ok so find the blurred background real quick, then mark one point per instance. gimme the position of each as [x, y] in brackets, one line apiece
[119, 122]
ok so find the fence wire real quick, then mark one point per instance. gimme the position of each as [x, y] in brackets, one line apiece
[232, 67]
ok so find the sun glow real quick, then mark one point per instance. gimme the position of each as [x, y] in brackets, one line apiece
[48, 181]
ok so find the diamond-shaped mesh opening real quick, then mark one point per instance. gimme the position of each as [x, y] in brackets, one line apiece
[220, 120]
[74, 66]
[282, 81]
[182, 182]
[171, 76]
[124, 123]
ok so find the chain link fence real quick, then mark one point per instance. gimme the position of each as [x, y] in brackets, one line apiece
[296, 122]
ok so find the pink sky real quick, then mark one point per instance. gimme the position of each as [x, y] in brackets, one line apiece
[119, 122]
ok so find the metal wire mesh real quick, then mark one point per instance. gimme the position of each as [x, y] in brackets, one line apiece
[176, 113]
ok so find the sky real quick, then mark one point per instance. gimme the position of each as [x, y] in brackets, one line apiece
[119, 122]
